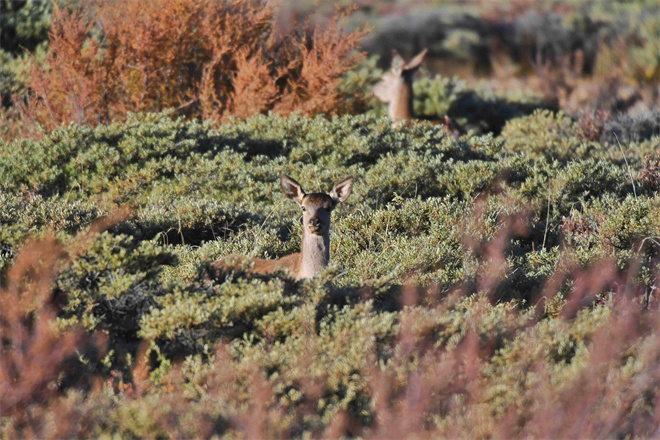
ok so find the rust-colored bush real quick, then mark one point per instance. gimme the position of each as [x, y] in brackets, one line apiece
[203, 58]
[32, 353]
[649, 176]
[592, 124]
[36, 358]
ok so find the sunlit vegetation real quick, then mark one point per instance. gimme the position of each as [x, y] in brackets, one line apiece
[491, 277]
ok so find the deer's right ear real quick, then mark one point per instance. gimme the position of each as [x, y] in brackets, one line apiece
[291, 188]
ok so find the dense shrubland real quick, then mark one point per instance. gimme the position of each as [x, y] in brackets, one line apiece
[478, 284]
[494, 277]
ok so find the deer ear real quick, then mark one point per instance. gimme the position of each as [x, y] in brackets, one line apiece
[415, 62]
[291, 188]
[342, 189]
[398, 62]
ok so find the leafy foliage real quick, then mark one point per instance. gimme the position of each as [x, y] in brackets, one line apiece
[469, 276]
[23, 24]
[498, 283]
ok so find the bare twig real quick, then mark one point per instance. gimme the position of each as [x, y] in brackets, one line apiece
[547, 219]
[627, 166]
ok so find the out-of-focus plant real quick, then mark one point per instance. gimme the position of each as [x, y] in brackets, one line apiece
[202, 58]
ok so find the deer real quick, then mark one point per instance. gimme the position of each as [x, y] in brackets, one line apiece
[396, 87]
[315, 248]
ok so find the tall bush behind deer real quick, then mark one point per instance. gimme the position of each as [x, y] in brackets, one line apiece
[202, 58]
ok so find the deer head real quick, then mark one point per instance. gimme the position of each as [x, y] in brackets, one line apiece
[316, 207]
[314, 254]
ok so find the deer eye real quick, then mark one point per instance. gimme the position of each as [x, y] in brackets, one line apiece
[303, 208]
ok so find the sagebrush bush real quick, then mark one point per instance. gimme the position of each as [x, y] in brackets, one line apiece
[23, 24]
[546, 134]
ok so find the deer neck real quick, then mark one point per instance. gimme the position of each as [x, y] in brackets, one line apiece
[401, 106]
[315, 254]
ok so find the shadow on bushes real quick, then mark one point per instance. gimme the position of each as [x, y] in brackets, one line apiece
[474, 114]
[627, 129]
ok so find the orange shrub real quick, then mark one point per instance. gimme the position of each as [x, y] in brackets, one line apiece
[203, 58]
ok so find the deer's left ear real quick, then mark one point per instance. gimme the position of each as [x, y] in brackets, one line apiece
[342, 189]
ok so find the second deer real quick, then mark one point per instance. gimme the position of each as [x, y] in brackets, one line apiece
[396, 87]
[315, 248]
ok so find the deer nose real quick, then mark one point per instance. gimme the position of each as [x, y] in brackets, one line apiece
[315, 222]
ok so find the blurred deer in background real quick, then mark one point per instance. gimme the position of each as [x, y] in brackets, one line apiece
[396, 87]
[315, 248]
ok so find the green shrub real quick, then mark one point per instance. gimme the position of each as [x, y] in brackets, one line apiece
[545, 134]
[466, 278]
